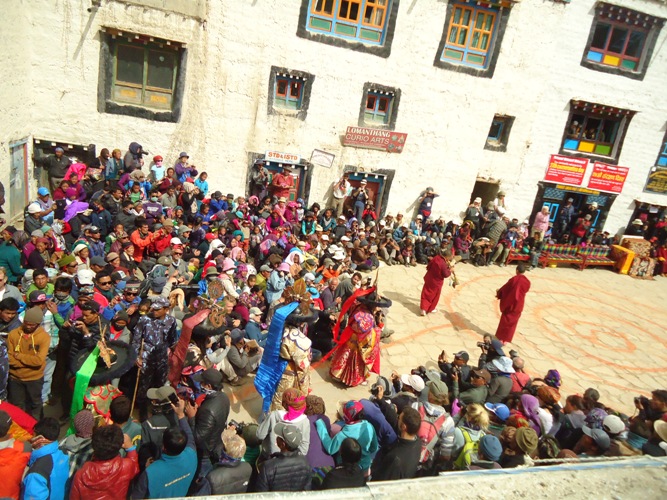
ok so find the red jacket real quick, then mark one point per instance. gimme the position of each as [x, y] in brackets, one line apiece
[106, 479]
[13, 461]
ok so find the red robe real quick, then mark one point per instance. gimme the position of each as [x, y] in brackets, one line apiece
[512, 296]
[436, 272]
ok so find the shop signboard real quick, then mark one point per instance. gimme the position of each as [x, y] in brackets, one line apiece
[278, 157]
[656, 182]
[566, 170]
[609, 178]
[374, 138]
[322, 158]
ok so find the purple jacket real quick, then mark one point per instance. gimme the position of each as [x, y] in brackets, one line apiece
[316, 456]
[385, 433]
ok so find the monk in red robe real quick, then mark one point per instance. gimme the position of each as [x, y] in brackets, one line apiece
[436, 271]
[512, 296]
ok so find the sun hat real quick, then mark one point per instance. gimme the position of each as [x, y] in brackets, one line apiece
[284, 267]
[503, 364]
[414, 381]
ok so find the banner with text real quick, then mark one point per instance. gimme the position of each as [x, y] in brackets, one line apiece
[373, 138]
[609, 178]
[566, 170]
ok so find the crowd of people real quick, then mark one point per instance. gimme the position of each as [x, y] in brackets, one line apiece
[135, 291]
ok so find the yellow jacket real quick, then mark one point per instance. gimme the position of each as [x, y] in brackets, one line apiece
[27, 353]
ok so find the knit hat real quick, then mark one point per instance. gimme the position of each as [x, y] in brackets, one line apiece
[84, 422]
[490, 446]
[33, 315]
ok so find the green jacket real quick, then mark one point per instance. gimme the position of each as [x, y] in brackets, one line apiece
[10, 259]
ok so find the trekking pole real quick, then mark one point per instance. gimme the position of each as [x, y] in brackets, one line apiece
[136, 384]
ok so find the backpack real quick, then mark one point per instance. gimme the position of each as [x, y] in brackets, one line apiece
[468, 453]
[428, 435]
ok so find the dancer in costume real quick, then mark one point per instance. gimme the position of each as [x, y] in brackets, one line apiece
[358, 350]
[287, 353]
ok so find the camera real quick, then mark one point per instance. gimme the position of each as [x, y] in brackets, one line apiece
[239, 426]
[483, 345]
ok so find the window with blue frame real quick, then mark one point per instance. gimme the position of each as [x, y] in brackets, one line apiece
[499, 133]
[378, 107]
[471, 35]
[596, 129]
[363, 21]
[662, 157]
[288, 92]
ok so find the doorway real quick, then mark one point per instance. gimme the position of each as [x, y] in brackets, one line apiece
[486, 190]
[375, 184]
[18, 179]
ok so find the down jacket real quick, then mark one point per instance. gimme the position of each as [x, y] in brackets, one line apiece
[285, 471]
[106, 479]
[210, 421]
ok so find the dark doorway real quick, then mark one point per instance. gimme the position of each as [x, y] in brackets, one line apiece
[486, 190]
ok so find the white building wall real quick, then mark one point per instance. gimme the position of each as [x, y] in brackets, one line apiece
[446, 114]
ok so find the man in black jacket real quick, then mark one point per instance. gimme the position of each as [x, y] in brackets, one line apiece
[211, 420]
[230, 475]
[286, 470]
[402, 460]
[56, 166]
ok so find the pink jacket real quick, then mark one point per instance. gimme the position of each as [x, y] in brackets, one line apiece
[541, 222]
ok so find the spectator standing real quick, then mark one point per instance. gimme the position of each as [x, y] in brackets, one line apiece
[27, 348]
[402, 460]
[348, 474]
[341, 190]
[107, 476]
[230, 475]
[48, 465]
[286, 470]
[171, 475]
[56, 165]
[78, 446]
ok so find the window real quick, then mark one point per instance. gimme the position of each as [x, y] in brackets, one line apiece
[144, 75]
[289, 92]
[594, 129]
[499, 133]
[365, 23]
[379, 106]
[470, 35]
[141, 75]
[621, 40]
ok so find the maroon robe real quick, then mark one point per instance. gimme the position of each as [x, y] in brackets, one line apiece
[512, 296]
[436, 272]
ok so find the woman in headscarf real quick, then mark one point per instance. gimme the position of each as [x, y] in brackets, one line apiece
[189, 199]
[529, 407]
[358, 352]
[355, 427]
[291, 410]
[82, 255]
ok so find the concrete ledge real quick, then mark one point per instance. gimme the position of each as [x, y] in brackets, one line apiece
[641, 478]
[190, 8]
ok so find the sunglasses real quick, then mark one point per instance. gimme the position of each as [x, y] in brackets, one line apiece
[131, 293]
[104, 283]
[177, 253]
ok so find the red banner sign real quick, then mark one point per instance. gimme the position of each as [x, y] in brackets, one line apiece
[566, 170]
[608, 178]
[373, 138]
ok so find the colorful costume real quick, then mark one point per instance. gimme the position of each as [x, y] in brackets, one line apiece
[358, 351]
[295, 348]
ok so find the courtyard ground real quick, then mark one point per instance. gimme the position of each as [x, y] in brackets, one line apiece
[598, 328]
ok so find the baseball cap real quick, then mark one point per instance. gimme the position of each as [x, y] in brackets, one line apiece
[159, 302]
[309, 277]
[111, 256]
[483, 373]
[612, 424]
[236, 335]
[499, 410]
[160, 393]
[42, 191]
[98, 261]
[34, 208]
[255, 311]
[414, 381]
[209, 376]
[289, 433]
[37, 296]
[85, 277]
[462, 355]
[498, 347]
[600, 437]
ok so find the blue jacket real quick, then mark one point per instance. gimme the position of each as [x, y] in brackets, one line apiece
[385, 433]
[169, 477]
[47, 474]
[253, 331]
[362, 431]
